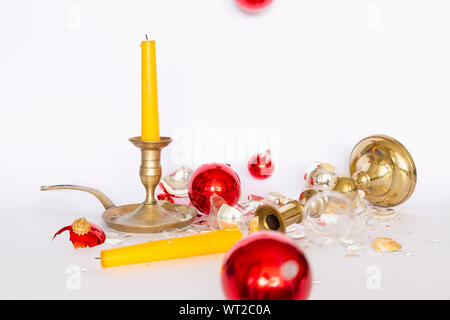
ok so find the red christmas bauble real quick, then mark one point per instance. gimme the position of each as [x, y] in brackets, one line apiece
[84, 234]
[213, 179]
[261, 165]
[253, 4]
[266, 266]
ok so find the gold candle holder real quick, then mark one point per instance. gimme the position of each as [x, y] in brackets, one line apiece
[383, 168]
[151, 215]
[379, 165]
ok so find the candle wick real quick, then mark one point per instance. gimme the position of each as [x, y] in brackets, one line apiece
[146, 37]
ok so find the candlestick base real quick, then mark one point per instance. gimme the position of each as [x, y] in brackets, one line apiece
[145, 218]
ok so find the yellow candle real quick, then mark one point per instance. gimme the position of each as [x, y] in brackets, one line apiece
[189, 246]
[149, 92]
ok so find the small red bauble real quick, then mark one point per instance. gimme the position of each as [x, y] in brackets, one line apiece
[84, 234]
[261, 165]
[266, 266]
[253, 4]
[213, 179]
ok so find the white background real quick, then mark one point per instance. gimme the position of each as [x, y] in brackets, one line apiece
[306, 78]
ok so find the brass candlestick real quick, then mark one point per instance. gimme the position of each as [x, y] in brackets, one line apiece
[151, 215]
[380, 166]
[383, 168]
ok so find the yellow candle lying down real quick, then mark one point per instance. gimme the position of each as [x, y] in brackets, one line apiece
[189, 246]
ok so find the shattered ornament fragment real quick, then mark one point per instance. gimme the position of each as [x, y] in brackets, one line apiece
[176, 184]
[223, 216]
[174, 187]
[385, 245]
[319, 175]
[84, 234]
[329, 218]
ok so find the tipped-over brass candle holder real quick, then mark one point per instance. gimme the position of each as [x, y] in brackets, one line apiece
[383, 168]
[380, 166]
[151, 215]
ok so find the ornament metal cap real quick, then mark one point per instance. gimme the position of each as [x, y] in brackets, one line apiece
[81, 226]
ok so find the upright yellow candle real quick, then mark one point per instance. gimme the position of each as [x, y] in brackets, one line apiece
[189, 246]
[149, 92]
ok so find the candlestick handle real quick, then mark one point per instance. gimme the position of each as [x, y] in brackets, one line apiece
[103, 198]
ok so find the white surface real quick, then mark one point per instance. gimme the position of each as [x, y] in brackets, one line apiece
[307, 78]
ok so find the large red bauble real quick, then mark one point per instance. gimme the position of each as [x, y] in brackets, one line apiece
[213, 179]
[261, 165]
[253, 4]
[266, 266]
